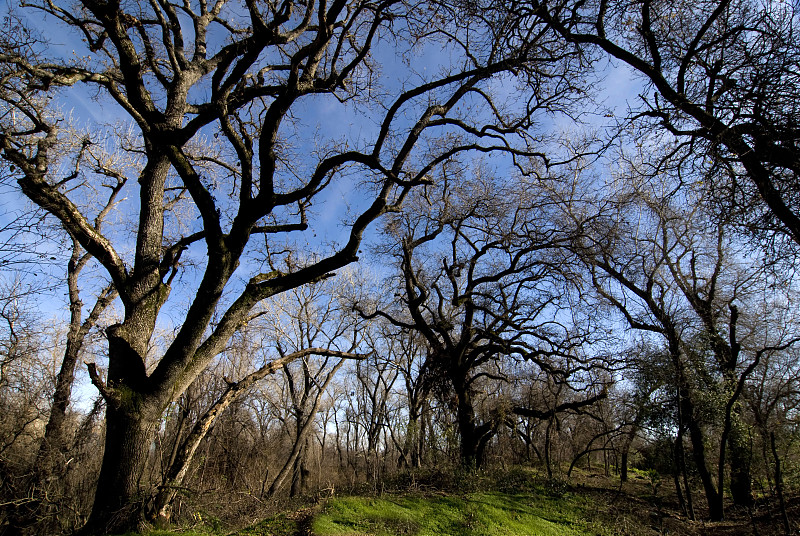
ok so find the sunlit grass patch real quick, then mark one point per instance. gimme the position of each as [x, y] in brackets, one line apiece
[487, 513]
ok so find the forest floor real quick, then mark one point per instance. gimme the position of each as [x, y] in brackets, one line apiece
[517, 503]
[522, 504]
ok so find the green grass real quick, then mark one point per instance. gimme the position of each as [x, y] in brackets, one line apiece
[480, 513]
[514, 503]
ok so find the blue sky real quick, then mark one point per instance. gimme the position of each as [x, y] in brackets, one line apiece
[321, 120]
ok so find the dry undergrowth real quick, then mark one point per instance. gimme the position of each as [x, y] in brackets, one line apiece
[641, 507]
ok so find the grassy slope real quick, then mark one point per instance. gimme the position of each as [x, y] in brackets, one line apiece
[517, 503]
[485, 513]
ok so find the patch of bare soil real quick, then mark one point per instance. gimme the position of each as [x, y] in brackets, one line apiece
[304, 518]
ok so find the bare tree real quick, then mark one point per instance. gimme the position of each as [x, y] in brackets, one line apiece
[670, 270]
[185, 450]
[310, 317]
[393, 390]
[27, 358]
[240, 74]
[43, 490]
[720, 76]
[52, 455]
[772, 399]
[479, 283]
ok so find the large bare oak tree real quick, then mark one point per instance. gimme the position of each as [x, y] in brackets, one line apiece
[223, 99]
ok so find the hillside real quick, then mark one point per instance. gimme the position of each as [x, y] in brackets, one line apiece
[516, 504]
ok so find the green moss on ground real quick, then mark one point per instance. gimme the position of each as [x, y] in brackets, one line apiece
[514, 503]
[480, 513]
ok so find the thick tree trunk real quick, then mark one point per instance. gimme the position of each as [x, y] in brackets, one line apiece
[300, 471]
[713, 495]
[740, 463]
[119, 498]
[296, 487]
[468, 431]
[474, 437]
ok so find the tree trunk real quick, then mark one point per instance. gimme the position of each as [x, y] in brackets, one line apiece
[678, 467]
[687, 416]
[179, 466]
[623, 465]
[713, 495]
[548, 462]
[687, 487]
[296, 489]
[626, 446]
[408, 448]
[297, 447]
[787, 528]
[119, 499]
[305, 418]
[740, 464]
[741, 482]
[467, 430]
[55, 434]
[50, 465]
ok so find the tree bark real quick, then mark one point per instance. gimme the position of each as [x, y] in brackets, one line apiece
[740, 465]
[300, 471]
[474, 437]
[130, 430]
[55, 439]
[713, 495]
[779, 484]
[152, 85]
[680, 474]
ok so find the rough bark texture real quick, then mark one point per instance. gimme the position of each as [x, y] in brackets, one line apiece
[474, 436]
[740, 456]
[119, 499]
[713, 495]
